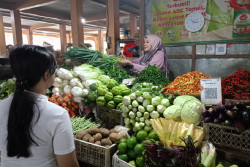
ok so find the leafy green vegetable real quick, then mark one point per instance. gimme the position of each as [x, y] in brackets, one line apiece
[7, 88]
[81, 123]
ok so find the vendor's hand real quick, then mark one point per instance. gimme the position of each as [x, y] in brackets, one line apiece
[126, 62]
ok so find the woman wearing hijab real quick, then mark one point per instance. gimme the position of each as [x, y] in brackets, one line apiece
[154, 55]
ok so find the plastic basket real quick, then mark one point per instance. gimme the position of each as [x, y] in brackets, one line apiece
[94, 154]
[117, 162]
[225, 136]
[110, 117]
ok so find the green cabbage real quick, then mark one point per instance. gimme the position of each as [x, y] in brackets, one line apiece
[173, 112]
[181, 100]
[191, 112]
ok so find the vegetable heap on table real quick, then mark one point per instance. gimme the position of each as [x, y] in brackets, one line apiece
[140, 107]
[187, 155]
[236, 86]
[81, 123]
[186, 108]
[99, 136]
[230, 113]
[65, 102]
[152, 74]
[7, 88]
[170, 131]
[186, 84]
[82, 54]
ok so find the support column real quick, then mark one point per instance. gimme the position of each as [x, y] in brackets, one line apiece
[63, 38]
[142, 24]
[132, 25]
[2, 37]
[76, 22]
[30, 36]
[16, 27]
[100, 40]
[113, 24]
[96, 43]
[68, 38]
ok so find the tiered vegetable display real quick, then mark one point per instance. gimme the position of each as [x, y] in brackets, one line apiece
[140, 107]
[186, 108]
[7, 88]
[236, 86]
[187, 84]
[230, 113]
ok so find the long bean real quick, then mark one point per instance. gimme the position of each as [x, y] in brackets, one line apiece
[81, 123]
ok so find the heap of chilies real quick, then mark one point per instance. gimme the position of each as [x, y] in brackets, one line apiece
[186, 84]
[237, 85]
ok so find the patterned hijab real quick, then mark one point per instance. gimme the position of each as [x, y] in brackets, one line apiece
[156, 45]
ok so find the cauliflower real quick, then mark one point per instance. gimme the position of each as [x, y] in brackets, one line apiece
[77, 91]
[67, 89]
[76, 82]
[64, 74]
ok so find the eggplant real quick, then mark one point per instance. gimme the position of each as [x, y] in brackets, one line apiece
[207, 119]
[220, 108]
[221, 116]
[217, 120]
[205, 113]
[227, 122]
[231, 113]
[211, 111]
[240, 106]
[229, 105]
[245, 116]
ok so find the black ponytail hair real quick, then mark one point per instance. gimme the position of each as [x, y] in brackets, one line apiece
[28, 64]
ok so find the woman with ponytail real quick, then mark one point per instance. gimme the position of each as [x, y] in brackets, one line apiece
[33, 131]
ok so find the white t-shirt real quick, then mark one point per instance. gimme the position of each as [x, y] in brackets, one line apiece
[53, 134]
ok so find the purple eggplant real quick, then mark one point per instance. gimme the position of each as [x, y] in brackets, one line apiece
[211, 111]
[205, 113]
[207, 119]
[231, 113]
[217, 120]
[221, 117]
[245, 116]
[220, 108]
[229, 105]
[240, 106]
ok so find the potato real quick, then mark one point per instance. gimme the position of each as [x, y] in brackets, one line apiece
[98, 137]
[104, 132]
[93, 130]
[98, 142]
[112, 131]
[86, 137]
[81, 133]
[92, 140]
[106, 141]
[114, 137]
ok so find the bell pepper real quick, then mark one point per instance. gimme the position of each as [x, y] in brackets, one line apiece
[109, 96]
[126, 91]
[100, 101]
[102, 90]
[112, 83]
[111, 104]
[92, 96]
[119, 106]
[93, 87]
[118, 98]
[116, 90]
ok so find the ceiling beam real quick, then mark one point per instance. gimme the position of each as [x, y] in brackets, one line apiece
[4, 5]
[100, 17]
[28, 4]
[9, 25]
[33, 27]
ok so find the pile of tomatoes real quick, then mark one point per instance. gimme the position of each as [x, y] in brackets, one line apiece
[65, 102]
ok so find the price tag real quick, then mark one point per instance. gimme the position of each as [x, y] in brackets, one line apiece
[211, 91]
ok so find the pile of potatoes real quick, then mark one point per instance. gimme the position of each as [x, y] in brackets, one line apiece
[100, 136]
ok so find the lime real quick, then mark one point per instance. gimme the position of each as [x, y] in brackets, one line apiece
[123, 157]
[139, 149]
[141, 135]
[132, 141]
[132, 163]
[153, 135]
[132, 154]
[140, 162]
[122, 147]
[123, 140]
